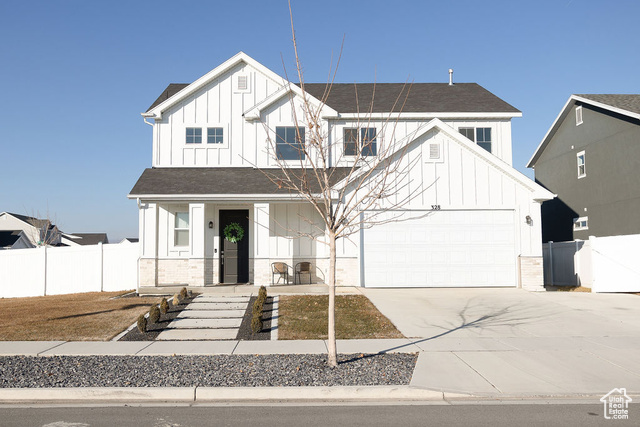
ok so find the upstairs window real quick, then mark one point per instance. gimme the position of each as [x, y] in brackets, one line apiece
[481, 136]
[582, 171]
[194, 136]
[215, 136]
[290, 143]
[581, 223]
[366, 143]
[181, 229]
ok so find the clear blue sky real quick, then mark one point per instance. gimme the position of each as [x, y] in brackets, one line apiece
[75, 75]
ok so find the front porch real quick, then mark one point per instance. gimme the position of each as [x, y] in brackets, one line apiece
[184, 244]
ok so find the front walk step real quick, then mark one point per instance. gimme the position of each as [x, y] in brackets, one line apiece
[210, 314]
[197, 334]
[217, 306]
[204, 323]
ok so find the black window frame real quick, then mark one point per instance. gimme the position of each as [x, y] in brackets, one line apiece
[355, 142]
[290, 143]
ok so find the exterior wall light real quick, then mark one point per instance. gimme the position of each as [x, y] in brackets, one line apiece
[210, 224]
[528, 220]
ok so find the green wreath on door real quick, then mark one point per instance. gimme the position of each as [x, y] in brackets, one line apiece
[233, 232]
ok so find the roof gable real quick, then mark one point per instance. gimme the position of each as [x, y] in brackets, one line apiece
[539, 192]
[627, 105]
[176, 92]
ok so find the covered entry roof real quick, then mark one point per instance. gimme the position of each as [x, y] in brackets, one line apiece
[217, 181]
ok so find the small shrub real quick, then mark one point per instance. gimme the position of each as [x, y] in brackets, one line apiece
[183, 293]
[176, 300]
[256, 323]
[164, 306]
[262, 292]
[258, 305]
[142, 323]
[154, 314]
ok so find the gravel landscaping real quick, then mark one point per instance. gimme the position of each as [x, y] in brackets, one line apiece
[206, 371]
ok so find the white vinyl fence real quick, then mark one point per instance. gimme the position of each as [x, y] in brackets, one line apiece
[64, 270]
[604, 264]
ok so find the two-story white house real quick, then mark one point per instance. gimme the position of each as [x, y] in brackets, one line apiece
[476, 222]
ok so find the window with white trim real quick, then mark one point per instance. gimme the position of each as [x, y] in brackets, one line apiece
[579, 115]
[581, 223]
[215, 136]
[181, 229]
[481, 136]
[364, 141]
[290, 143]
[582, 169]
[194, 136]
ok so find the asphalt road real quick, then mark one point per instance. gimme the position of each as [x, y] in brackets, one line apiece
[461, 414]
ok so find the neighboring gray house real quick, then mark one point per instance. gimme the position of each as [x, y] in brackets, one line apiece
[84, 239]
[590, 159]
[35, 231]
[14, 239]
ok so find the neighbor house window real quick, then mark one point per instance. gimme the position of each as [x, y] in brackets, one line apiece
[214, 136]
[366, 144]
[581, 223]
[194, 135]
[582, 171]
[181, 229]
[290, 143]
[579, 115]
[481, 136]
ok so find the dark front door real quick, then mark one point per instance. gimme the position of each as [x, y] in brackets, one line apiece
[234, 256]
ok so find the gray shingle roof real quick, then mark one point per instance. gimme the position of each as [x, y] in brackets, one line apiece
[625, 102]
[89, 238]
[216, 181]
[171, 90]
[389, 97]
[422, 98]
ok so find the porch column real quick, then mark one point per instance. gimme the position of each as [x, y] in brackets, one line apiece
[196, 244]
[148, 244]
[261, 244]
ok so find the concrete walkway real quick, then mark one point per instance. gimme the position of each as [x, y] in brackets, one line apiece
[207, 317]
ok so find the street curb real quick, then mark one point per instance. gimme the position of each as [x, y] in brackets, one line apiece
[301, 394]
[190, 395]
[214, 394]
[97, 394]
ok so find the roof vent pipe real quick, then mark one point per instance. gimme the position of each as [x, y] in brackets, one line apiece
[450, 76]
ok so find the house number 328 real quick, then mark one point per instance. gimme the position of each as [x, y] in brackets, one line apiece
[435, 207]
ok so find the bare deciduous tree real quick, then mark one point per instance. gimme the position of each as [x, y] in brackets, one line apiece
[353, 183]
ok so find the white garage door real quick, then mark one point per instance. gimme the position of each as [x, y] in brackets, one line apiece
[442, 249]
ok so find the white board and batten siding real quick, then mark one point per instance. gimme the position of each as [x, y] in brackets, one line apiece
[465, 226]
[218, 104]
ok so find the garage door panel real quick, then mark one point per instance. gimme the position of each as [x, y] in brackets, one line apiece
[442, 249]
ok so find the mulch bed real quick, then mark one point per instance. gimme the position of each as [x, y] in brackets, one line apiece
[154, 329]
[245, 332]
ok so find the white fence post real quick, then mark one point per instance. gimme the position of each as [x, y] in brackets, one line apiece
[551, 261]
[44, 272]
[101, 268]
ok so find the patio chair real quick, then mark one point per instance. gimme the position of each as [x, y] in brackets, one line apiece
[282, 270]
[302, 268]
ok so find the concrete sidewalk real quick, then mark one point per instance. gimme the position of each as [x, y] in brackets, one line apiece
[447, 368]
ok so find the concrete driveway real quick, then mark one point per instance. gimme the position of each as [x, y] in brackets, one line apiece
[513, 342]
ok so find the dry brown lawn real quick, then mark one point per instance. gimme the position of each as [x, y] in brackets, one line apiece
[304, 317]
[75, 317]
[553, 288]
